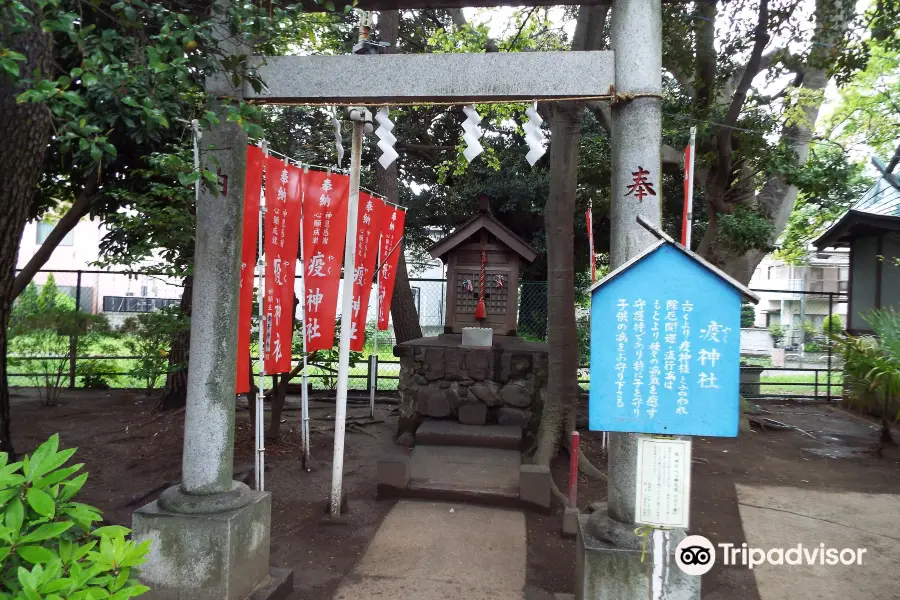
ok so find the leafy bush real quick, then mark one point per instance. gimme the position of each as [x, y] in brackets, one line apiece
[812, 347]
[325, 361]
[148, 336]
[41, 346]
[872, 368]
[809, 329]
[48, 547]
[748, 314]
[92, 374]
[32, 302]
[777, 332]
[833, 324]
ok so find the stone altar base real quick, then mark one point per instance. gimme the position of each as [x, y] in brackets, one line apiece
[215, 556]
[608, 571]
[503, 384]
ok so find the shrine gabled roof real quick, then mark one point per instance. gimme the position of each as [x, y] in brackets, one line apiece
[483, 220]
[665, 240]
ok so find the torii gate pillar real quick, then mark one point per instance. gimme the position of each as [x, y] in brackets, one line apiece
[210, 535]
[609, 553]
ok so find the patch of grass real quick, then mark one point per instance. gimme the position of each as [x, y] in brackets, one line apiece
[778, 384]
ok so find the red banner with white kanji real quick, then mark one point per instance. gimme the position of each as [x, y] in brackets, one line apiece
[249, 239]
[282, 233]
[324, 231]
[368, 231]
[391, 233]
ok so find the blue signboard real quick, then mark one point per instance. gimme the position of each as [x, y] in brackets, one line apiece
[665, 348]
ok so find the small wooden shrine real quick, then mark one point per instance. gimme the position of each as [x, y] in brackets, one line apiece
[482, 258]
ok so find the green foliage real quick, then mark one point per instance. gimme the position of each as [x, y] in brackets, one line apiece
[868, 113]
[26, 304]
[832, 324]
[33, 302]
[809, 329]
[583, 329]
[44, 331]
[93, 375]
[748, 314]
[744, 230]
[325, 361]
[49, 548]
[812, 347]
[828, 185]
[872, 367]
[148, 336]
[777, 332]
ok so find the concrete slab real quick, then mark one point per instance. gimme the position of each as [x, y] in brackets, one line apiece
[451, 433]
[462, 472]
[782, 517]
[437, 551]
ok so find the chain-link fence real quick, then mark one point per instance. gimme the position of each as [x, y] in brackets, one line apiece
[787, 353]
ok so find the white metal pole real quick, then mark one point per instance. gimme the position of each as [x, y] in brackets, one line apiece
[261, 367]
[304, 393]
[373, 360]
[690, 191]
[340, 413]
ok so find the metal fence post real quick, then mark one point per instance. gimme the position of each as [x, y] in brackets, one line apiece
[73, 340]
[829, 342]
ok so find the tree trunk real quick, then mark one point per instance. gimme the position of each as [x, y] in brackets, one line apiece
[562, 374]
[175, 393]
[403, 306]
[557, 416]
[25, 131]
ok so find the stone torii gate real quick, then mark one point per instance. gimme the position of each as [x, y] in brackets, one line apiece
[210, 535]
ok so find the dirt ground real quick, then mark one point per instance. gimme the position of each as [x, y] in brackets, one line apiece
[132, 453]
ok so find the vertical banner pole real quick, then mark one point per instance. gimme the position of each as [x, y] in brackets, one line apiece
[304, 392]
[260, 394]
[688, 215]
[340, 413]
[373, 360]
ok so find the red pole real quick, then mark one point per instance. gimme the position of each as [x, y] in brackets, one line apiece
[573, 469]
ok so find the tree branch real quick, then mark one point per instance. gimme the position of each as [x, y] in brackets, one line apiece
[705, 36]
[761, 38]
[680, 76]
[515, 39]
[459, 19]
[79, 208]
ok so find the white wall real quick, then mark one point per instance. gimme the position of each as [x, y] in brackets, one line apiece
[83, 251]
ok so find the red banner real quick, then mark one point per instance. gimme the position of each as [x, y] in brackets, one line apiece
[590, 228]
[324, 231]
[249, 240]
[282, 233]
[391, 234]
[368, 230]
